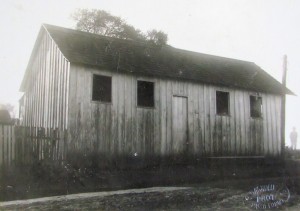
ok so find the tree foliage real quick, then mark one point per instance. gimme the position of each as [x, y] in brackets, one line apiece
[157, 37]
[103, 23]
[6, 112]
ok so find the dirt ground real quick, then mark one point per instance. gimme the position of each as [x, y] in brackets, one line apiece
[217, 185]
[204, 197]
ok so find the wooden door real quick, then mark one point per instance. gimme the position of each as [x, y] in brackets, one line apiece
[179, 124]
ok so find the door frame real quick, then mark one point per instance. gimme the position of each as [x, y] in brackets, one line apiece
[187, 142]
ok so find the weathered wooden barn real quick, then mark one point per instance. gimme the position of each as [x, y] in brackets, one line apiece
[124, 97]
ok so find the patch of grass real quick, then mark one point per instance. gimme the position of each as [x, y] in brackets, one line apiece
[292, 154]
[98, 172]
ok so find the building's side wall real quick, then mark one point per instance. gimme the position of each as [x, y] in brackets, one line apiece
[45, 102]
[123, 128]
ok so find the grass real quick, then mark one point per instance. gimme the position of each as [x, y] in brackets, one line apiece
[95, 172]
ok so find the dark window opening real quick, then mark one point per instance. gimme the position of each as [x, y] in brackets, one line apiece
[222, 103]
[255, 106]
[145, 94]
[101, 88]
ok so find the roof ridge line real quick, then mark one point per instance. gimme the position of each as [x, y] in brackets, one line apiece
[145, 43]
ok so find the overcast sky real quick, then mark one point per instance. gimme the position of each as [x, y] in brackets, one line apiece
[260, 31]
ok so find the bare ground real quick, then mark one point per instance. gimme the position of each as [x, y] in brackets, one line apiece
[218, 185]
[204, 197]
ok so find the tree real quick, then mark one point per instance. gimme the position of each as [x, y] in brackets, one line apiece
[98, 22]
[103, 23]
[129, 32]
[157, 37]
[7, 111]
[11, 109]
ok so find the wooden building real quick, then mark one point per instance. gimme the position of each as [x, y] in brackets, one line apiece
[124, 97]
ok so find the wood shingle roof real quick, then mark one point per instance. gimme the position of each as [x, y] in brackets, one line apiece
[133, 57]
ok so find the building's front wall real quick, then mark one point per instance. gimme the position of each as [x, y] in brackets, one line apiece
[121, 127]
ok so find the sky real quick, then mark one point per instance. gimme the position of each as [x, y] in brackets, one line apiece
[260, 31]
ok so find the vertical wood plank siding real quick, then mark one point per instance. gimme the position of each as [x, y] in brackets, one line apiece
[46, 96]
[123, 128]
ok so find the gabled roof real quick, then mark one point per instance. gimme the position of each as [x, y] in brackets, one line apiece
[133, 57]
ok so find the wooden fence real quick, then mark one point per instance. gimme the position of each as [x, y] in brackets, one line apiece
[24, 145]
[7, 144]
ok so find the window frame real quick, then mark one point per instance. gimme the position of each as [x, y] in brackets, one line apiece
[92, 88]
[137, 93]
[261, 107]
[228, 103]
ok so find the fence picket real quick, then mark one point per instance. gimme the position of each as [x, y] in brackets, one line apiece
[1, 145]
[13, 144]
[6, 151]
[9, 144]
